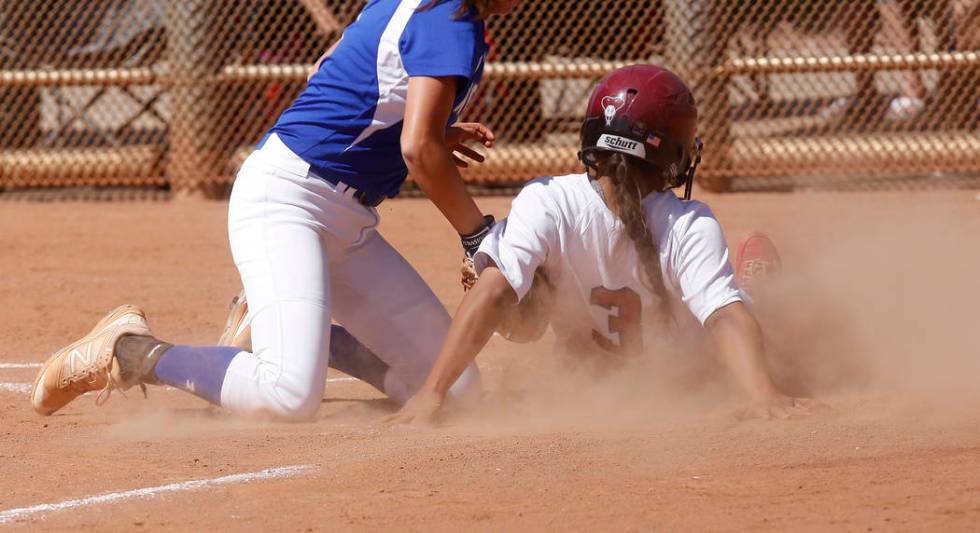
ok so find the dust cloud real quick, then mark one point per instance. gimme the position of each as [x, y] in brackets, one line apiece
[884, 303]
[872, 304]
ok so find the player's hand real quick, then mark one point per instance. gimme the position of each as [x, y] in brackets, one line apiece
[421, 410]
[464, 132]
[471, 245]
[468, 275]
[781, 407]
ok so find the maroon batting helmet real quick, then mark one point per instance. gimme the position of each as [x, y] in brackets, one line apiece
[648, 113]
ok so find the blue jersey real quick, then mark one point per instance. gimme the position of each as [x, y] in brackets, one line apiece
[347, 123]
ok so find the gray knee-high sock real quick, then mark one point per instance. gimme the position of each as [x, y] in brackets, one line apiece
[351, 357]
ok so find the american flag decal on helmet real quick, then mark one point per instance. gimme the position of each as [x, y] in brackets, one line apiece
[653, 140]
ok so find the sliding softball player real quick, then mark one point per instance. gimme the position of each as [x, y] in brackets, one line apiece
[602, 254]
[302, 223]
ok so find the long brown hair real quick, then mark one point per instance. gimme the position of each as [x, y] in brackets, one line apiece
[464, 8]
[629, 207]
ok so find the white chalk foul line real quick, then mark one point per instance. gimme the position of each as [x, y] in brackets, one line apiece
[149, 492]
[11, 366]
[23, 388]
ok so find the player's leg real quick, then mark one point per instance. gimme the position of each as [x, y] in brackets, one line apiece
[275, 237]
[347, 354]
[388, 307]
[276, 241]
[350, 356]
[289, 284]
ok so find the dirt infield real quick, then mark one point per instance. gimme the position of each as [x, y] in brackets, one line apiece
[875, 316]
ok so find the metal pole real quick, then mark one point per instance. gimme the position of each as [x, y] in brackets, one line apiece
[191, 163]
[698, 32]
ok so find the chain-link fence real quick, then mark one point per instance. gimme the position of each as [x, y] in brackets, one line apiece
[174, 92]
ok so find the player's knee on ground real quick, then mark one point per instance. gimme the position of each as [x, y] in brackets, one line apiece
[295, 399]
[292, 405]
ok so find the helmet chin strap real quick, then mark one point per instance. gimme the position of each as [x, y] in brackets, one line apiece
[689, 178]
[591, 169]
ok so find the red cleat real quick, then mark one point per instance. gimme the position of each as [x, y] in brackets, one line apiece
[756, 260]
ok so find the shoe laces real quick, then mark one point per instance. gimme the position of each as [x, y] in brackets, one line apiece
[87, 377]
[111, 385]
[106, 391]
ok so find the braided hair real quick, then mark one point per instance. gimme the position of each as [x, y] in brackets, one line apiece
[625, 172]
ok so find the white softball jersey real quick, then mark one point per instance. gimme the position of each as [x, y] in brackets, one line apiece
[562, 225]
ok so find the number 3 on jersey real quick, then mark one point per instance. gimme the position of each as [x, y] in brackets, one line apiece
[626, 321]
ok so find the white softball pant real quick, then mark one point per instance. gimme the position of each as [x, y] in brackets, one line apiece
[308, 252]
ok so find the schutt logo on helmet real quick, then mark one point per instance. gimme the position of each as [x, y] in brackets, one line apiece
[621, 144]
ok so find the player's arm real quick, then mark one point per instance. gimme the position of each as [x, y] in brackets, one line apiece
[483, 309]
[739, 342]
[508, 262]
[427, 149]
[704, 275]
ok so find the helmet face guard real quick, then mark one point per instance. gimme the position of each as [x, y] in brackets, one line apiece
[647, 113]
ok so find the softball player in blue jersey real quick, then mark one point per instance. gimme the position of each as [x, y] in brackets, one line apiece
[302, 225]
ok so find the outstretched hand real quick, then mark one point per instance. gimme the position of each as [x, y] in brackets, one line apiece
[468, 275]
[421, 410]
[782, 407]
[463, 132]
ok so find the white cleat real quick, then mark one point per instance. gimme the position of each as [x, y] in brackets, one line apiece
[87, 364]
[238, 327]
